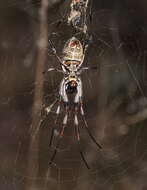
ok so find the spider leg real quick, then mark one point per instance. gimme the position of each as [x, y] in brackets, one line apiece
[55, 122]
[86, 126]
[52, 135]
[81, 70]
[52, 69]
[76, 123]
[54, 51]
[60, 135]
[77, 132]
[63, 95]
[78, 99]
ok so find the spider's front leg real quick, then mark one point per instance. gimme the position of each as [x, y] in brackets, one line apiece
[54, 51]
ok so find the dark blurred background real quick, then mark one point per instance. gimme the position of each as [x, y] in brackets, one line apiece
[115, 101]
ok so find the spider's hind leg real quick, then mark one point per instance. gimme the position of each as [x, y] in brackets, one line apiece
[61, 133]
[55, 121]
[77, 133]
[86, 126]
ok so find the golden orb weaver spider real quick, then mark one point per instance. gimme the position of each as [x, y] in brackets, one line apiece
[71, 84]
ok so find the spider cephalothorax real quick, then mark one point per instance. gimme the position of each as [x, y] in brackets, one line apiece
[71, 87]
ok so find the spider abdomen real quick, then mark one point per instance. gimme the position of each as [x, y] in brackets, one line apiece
[73, 51]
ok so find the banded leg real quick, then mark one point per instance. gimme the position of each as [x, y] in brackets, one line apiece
[63, 95]
[76, 123]
[77, 132]
[64, 98]
[86, 126]
[55, 122]
[78, 99]
[60, 135]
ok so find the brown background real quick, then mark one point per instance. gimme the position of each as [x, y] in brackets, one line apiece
[114, 99]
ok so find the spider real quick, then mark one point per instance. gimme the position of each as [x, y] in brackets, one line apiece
[77, 15]
[71, 84]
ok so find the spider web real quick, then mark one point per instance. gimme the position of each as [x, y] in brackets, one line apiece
[114, 101]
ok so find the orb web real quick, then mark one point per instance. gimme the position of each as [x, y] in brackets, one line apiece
[114, 101]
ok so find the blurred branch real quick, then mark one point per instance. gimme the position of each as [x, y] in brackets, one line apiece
[33, 163]
[113, 116]
[131, 119]
[140, 116]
